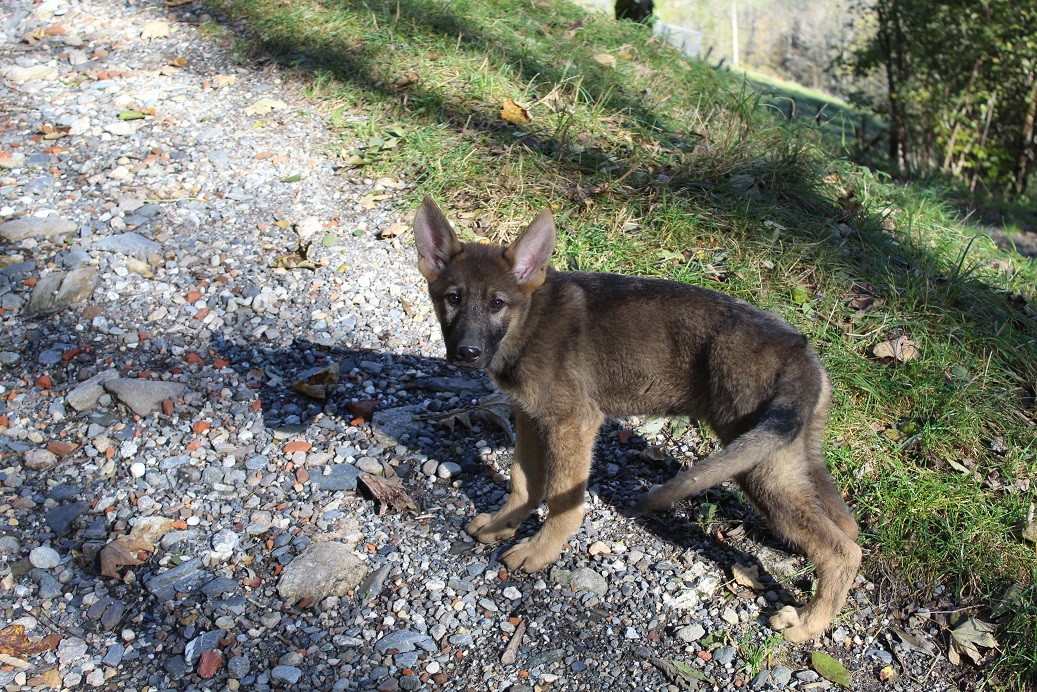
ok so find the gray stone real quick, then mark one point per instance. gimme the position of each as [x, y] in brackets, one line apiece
[448, 469]
[219, 587]
[183, 578]
[112, 615]
[57, 290]
[403, 641]
[239, 666]
[44, 557]
[39, 460]
[61, 517]
[760, 680]
[324, 569]
[131, 244]
[340, 477]
[71, 650]
[224, 543]
[372, 584]
[113, 657]
[176, 667]
[85, 394]
[35, 227]
[48, 585]
[724, 656]
[201, 644]
[691, 633]
[781, 676]
[369, 465]
[586, 579]
[9, 545]
[143, 396]
[288, 675]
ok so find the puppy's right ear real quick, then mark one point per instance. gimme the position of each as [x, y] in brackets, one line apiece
[435, 239]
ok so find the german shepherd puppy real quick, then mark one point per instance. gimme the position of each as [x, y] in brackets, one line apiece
[572, 348]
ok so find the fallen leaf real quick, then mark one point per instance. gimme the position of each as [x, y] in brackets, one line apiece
[223, 80]
[800, 295]
[515, 113]
[830, 668]
[968, 636]
[151, 529]
[13, 642]
[124, 551]
[388, 492]
[747, 576]
[680, 673]
[158, 28]
[887, 674]
[405, 80]
[493, 408]
[131, 115]
[899, 350]
[291, 178]
[318, 383]
[605, 60]
[915, 642]
[265, 105]
[298, 259]
[394, 231]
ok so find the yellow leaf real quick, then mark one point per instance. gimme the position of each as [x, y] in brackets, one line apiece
[514, 113]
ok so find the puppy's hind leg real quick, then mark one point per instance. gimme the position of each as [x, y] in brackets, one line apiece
[786, 493]
[528, 486]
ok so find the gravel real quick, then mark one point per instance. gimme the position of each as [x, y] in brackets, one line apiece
[148, 355]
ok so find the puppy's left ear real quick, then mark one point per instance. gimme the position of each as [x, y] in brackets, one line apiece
[531, 252]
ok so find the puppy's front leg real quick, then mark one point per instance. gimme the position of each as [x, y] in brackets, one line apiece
[528, 485]
[569, 443]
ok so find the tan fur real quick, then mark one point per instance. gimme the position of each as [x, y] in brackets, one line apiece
[572, 349]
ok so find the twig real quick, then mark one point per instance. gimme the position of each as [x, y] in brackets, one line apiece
[511, 652]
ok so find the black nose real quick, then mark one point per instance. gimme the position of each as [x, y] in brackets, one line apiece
[468, 354]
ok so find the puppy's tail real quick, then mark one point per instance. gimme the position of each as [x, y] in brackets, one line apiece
[782, 421]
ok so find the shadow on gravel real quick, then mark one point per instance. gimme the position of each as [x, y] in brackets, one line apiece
[426, 389]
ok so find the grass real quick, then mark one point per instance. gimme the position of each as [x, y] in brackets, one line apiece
[664, 167]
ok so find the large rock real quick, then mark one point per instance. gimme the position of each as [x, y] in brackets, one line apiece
[324, 569]
[131, 244]
[36, 227]
[85, 394]
[57, 290]
[143, 396]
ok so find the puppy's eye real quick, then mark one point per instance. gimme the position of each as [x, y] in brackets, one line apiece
[496, 304]
[453, 298]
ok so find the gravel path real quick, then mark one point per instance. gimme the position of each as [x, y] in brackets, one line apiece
[149, 428]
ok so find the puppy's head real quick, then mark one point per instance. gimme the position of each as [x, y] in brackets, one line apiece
[480, 292]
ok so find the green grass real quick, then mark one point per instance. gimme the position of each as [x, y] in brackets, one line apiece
[664, 167]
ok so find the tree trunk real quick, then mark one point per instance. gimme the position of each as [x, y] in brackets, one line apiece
[636, 10]
[1027, 142]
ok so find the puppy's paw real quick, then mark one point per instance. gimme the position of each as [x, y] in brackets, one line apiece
[788, 621]
[487, 528]
[530, 556]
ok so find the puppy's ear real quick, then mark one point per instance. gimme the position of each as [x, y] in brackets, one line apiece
[531, 252]
[435, 239]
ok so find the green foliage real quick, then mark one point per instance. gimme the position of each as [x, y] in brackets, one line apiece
[961, 77]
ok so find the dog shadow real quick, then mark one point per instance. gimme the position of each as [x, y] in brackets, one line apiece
[424, 390]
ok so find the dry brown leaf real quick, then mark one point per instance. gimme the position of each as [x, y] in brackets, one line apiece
[899, 350]
[317, 383]
[515, 113]
[13, 642]
[151, 529]
[394, 231]
[158, 28]
[747, 576]
[389, 492]
[605, 60]
[299, 259]
[493, 408]
[405, 80]
[1030, 530]
[124, 551]
[970, 634]
[51, 678]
